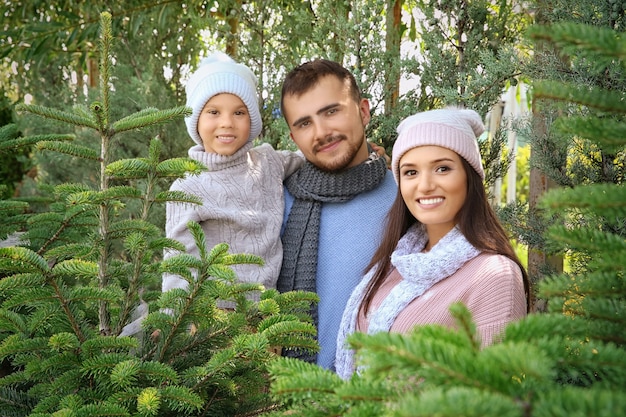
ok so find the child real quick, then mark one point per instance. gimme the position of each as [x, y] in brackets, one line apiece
[242, 191]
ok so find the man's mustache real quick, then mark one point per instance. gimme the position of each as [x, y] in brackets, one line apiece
[328, 140]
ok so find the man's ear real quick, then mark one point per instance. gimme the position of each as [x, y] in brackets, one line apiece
[364, 108]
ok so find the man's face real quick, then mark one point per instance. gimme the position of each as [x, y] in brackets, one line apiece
[327, 125]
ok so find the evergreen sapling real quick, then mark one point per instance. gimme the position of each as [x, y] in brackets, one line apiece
[89, 267]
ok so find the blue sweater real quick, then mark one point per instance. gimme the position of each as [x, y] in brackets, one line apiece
[349, 235]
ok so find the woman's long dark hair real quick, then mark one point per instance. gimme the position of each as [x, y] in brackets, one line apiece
[476, 220]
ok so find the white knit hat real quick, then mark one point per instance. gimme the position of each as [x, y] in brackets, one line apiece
[218, 73]
[453, 128]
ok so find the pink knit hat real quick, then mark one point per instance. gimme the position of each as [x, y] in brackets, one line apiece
[453, 128]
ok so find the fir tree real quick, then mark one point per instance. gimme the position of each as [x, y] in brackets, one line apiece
[568, 361]
[90, 267]
[564, 158]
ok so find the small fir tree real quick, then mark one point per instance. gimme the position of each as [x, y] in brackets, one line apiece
[89, 269]
[568, 361]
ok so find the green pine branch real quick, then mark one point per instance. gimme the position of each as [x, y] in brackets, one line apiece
[608, 133]
[604, 44]
[149, 117]
[105, 40]
[74, 119]
[604, 199]
[177, 196]
[8, 132]
[14, 403]
[178, 167]
[69, 149]
[9, 139]
[596, 98]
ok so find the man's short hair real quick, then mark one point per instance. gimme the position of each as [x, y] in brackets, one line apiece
[305, 76]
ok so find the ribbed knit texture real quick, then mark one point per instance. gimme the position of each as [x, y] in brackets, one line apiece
[451, 128]
[218, 73]
[243, 206]
[312, 187]
[420, 271]
[491, 286]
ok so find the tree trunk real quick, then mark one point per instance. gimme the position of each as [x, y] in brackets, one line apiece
[392, 44]
[538, 261]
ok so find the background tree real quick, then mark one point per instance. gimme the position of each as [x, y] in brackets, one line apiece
[464, 57]
[562, 158]
[469, 51]
[13, 165]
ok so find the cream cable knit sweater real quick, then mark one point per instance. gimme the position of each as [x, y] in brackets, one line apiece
[243, 206]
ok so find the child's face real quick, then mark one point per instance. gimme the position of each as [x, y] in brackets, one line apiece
[224, 124]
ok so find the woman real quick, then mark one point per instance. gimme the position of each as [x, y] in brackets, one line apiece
[443, 242]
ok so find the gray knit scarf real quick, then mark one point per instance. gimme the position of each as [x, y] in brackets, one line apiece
[311, 187]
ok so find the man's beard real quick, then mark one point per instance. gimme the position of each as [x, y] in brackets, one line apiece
[346, 157]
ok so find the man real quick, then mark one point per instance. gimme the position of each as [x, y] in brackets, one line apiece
[336, 204]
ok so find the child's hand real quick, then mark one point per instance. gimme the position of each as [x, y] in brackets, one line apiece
[380, 151]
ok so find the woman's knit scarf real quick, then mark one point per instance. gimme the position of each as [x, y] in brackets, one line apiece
[419, 272]
[311, 187]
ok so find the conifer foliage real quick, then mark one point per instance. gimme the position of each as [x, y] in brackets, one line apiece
[88, 270]
[568, 361]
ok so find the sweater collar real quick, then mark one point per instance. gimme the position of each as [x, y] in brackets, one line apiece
[217, 162]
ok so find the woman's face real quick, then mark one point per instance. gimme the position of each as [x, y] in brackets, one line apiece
[433, 184]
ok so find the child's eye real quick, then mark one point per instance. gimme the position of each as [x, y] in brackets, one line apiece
[240, 113]
[409, 173]
[442, 169]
